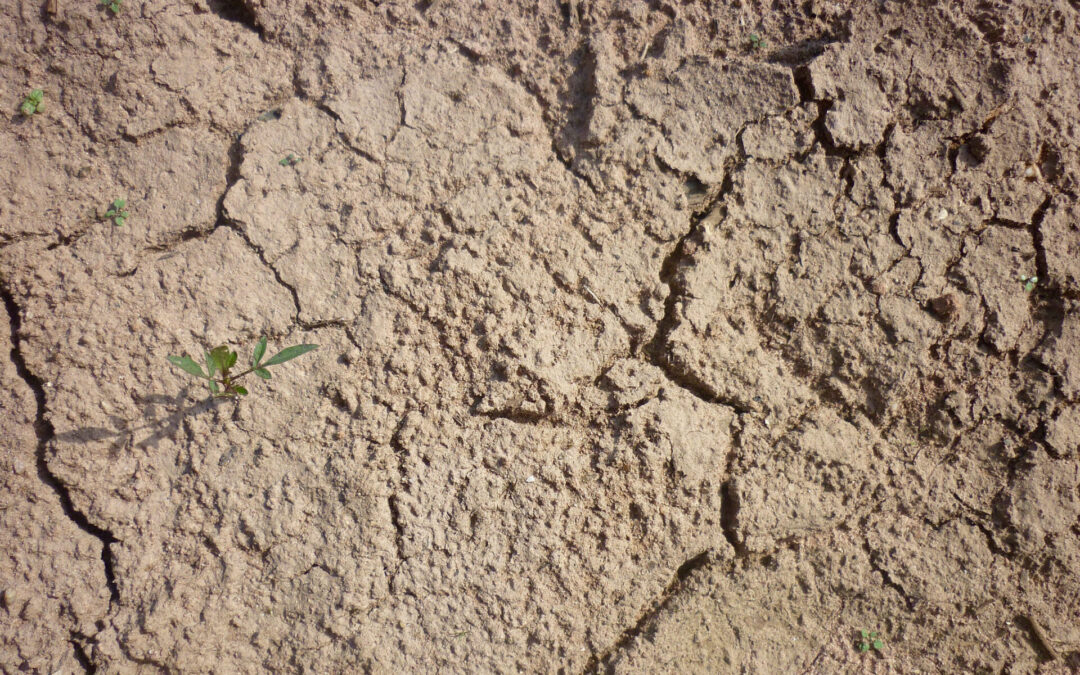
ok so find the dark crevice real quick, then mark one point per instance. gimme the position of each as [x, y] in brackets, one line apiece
[236, 11]
[77, 647]
[45, 434]
[394, 504]
[467, 51]
[232, 175]
[824, 136]
[804, 82]
[1041, 268]
[729, 516]
[656, 350]
[886, 578]
[604, 661]
[399, 529]
[894, 229]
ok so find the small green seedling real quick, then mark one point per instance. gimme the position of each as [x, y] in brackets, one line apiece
[1029, 282]
[116, 212]
[33, 103]
[868, 639]
[220, 360]
[756, 42]
[289, 160]
[112, 5]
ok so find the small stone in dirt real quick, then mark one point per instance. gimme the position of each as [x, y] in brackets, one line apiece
[945, 307]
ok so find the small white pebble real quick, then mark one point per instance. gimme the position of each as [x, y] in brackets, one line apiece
[1029, 172]
[942, 214]
[530, 479]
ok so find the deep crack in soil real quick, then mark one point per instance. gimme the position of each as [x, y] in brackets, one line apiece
[45, 433]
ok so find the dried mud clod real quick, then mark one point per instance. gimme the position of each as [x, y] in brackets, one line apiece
[654, 337]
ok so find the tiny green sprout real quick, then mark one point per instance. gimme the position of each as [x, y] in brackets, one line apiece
[756, 42]
[1029, 282]
[116, 212]
[220, 360]
[33, 103]
[289, 160]
[112, 5]
[868, 640]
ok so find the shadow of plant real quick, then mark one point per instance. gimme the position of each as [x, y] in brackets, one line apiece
[162, 417]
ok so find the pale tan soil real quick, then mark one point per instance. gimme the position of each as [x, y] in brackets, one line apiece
[642, 350]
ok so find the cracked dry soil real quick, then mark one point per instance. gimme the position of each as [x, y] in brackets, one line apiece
[643, 349]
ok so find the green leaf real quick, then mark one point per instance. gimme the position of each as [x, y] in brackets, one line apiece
[230, 359]
[119, 220]
[111, 213]
[187, 365]
[36, 95]
[864, 647]
[214, 389]
[210, 366]
[864, 634]
[289, 353]
[240, 390]
[262, 372]
[119, 203]
[220, 355]
[878, 644]
[260, 349]
[28, 108]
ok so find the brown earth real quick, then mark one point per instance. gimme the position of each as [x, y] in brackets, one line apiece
[643, 348]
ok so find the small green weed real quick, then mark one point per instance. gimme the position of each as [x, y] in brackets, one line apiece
[756, 42]
[112, 5]
[116, 212]
[1029, 282]
[220, 360]
[33, 103]
[289, 160]
[868, 639]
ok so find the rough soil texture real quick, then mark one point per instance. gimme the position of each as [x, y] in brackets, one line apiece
[643, 348]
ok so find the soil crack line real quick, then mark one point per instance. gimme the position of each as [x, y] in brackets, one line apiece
[232, 176]
[45, 434]
[886, 578]
[648, 618]
[394, 502]
[656, 349]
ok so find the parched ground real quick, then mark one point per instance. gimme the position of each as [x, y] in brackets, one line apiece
[644, 346]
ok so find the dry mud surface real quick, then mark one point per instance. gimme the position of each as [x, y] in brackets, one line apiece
[643, 349]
